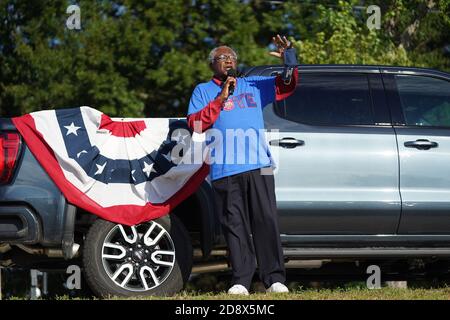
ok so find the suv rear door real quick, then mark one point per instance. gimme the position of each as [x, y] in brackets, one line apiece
[338, 167]
[420, 105]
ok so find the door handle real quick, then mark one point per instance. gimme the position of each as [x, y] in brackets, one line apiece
[421, 144]
[287, 142]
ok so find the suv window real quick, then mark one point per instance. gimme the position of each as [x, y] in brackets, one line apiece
[329, 99]
[425, 101]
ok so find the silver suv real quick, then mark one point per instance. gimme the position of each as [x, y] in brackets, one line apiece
[364, 159]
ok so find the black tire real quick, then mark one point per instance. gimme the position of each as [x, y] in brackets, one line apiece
[101, 283]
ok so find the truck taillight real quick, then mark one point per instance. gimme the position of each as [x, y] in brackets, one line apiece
[9, 150]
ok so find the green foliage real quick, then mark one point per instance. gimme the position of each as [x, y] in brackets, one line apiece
[340, 37]
[136, 58]
[79, 68]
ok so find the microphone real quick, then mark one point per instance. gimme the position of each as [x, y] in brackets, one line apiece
[231, 73]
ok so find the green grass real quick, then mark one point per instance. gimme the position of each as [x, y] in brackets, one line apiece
[308, 294]
[312, 294]
[354, 291]
[210, 287]
[325, 294]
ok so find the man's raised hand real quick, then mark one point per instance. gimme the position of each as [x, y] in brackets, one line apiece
[282, 44]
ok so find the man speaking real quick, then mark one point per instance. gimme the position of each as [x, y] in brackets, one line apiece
[244, 197]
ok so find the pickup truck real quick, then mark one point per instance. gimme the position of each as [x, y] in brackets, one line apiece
[363, 172]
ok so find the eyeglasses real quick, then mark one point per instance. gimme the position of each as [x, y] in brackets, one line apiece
[224, 57]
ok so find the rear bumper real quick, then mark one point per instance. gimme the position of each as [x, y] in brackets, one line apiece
[19, 224]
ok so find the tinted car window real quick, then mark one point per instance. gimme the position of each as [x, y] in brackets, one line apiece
[329, 99]
[425, 101]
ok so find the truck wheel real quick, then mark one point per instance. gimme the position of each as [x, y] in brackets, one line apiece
[152, 258]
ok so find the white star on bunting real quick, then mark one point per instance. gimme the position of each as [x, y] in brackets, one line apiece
[72, 129]
[148, 168]
[100, 169]
[179, 138]
[168, 157]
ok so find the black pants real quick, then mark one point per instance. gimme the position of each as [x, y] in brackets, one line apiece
[246, 205]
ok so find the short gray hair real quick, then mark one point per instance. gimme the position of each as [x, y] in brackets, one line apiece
[212, 54]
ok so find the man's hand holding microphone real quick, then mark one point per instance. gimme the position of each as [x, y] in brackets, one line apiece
[229, 85]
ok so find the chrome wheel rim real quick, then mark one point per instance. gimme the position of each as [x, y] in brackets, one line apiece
[138, 258]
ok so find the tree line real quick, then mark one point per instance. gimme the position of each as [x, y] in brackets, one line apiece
[143, 58]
